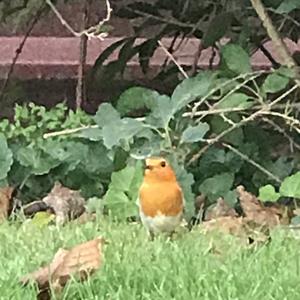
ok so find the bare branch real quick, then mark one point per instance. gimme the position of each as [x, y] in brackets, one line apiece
[93, 31]
[19, 50]
[252, 162]
[285, 57]
[173, 59]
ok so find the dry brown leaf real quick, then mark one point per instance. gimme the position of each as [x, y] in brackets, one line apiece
[254, 210]
[240, 227]
[221, 209]
[80, 261]
[66, 203]
[5, 202]
[227, 225]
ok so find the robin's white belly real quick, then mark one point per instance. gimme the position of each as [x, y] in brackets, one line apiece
[161, 223]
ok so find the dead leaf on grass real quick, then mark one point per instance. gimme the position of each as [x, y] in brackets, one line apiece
[65, 203]
[5, 202]
[80, 262]
[220, 209]
[254, 210]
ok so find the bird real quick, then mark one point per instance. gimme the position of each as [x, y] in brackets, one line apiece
[160, 198]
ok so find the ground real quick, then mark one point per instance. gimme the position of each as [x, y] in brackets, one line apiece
[192, 266]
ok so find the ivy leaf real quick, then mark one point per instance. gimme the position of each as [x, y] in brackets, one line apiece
[236, 100]
[287, 6]
[217, 186]
[236, 58]
[275, 83]
[6, 158]
[194, 133]
[290, 187]
[217, 28]
[268, 193]
[191, 88]
[106, 114]
[136, 98]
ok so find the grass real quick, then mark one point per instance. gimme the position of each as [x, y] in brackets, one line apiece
[136, 268]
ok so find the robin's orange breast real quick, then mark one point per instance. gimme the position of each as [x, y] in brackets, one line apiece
[161, 199]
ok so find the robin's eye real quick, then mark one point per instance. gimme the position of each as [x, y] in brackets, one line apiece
[163, 164]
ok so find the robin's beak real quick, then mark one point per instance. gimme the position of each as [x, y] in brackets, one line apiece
[148, 167]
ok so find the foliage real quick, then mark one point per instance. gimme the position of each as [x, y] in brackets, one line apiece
[209, 21]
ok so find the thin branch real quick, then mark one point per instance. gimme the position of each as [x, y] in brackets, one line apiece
[80, 88]
[67, 131]
[91, 32]
[19, 50]
[252, 162]
[244, 121]
[285, 56]
[172, 58]
[282, 131]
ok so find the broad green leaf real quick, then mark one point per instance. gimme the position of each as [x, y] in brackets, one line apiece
[192, 88]
[162, 113]
[230, 198]
[186, 181]
[106, 114]
[268, 193]
[287, 6]
[275, 83]
[217, 186]
[217, 28]
[93, 134]
[236, 58]
[136, 98]
[121, 197]
[194, 133]
[290, 187]
[123, 129]
[36, 160]
[236, 100]
[6, 157]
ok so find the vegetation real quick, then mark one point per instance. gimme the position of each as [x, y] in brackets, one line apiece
[222, 127]
[193, 266]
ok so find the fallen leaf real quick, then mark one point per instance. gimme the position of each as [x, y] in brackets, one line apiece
[248, 231]
[67, 204]
[79, 262]
[220, 209]
[5, 202]
[254, 210]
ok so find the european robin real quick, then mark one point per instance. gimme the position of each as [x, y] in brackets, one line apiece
[161, 201]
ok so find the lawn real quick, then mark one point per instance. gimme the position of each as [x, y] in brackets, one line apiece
[192, 266]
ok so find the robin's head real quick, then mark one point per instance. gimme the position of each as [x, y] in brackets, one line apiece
[157, 168]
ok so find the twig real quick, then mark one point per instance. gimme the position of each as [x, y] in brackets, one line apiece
[252, 162]
[252, 117]
[80, 88]
[19, 50]
[67, 131]
[285, 57]
[282, 131]
[91, 32]
[173, 59]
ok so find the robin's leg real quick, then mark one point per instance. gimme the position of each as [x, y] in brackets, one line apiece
[151, 235]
